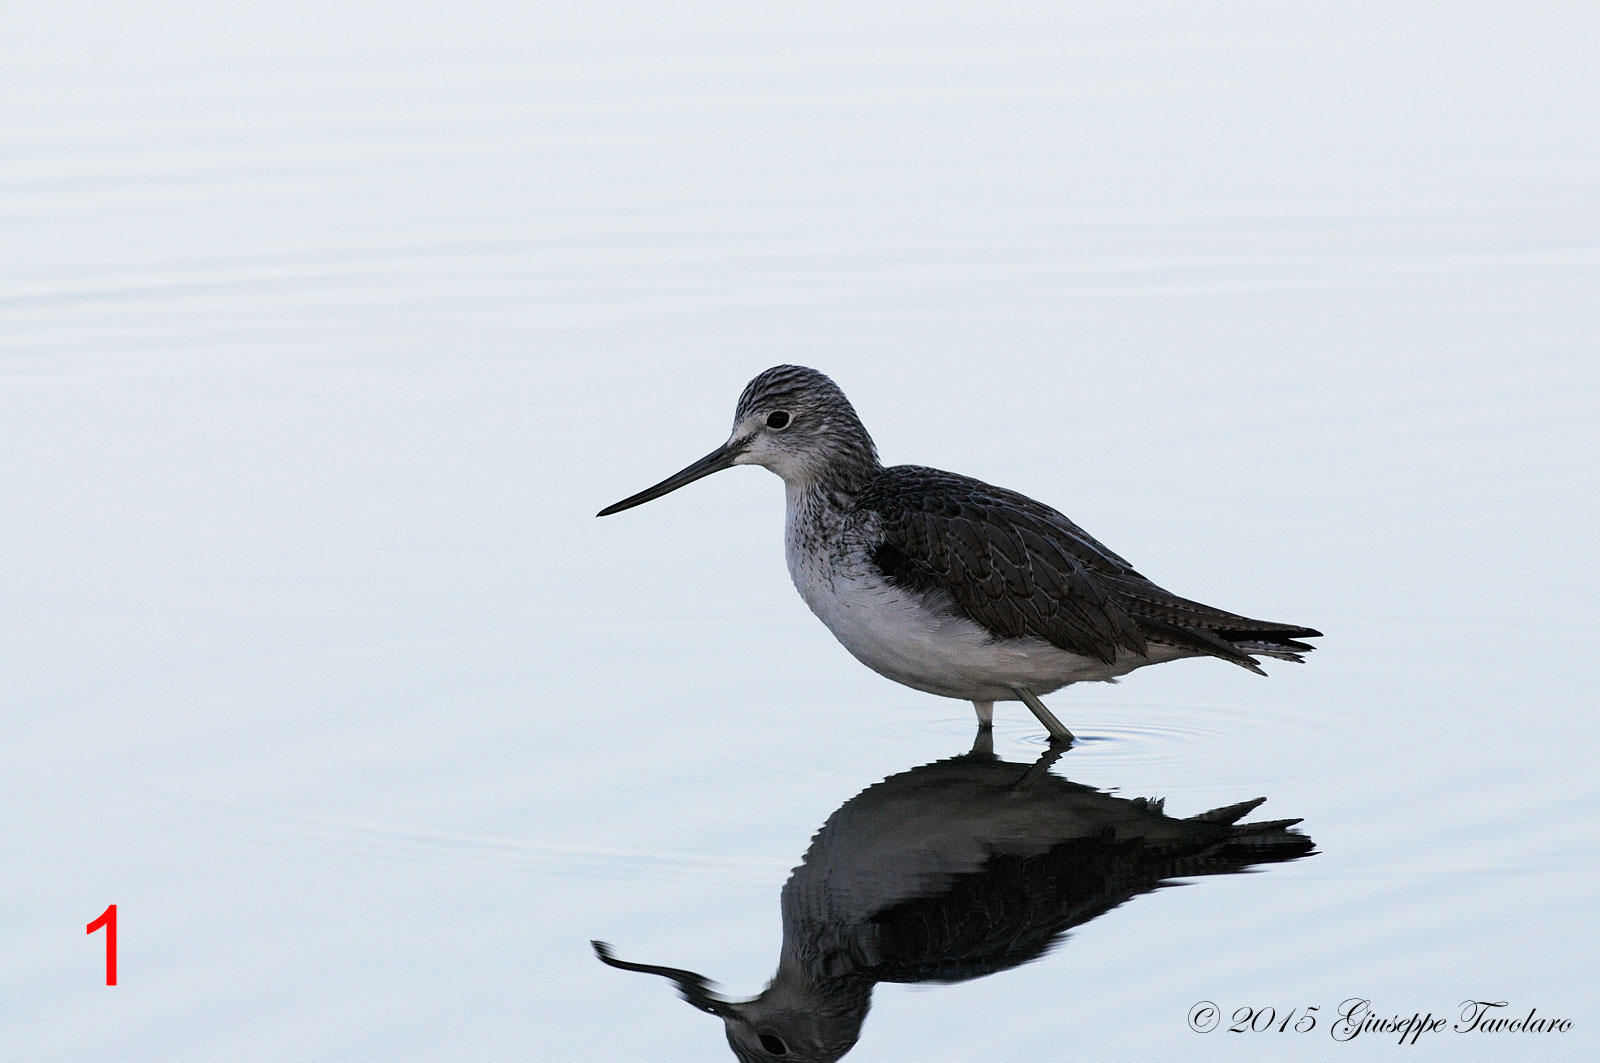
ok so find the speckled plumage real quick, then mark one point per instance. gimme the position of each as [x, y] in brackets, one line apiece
[952, 585]
[1019, 568]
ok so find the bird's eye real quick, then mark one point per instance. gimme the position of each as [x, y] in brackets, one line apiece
[771, 1042]
[777, 420]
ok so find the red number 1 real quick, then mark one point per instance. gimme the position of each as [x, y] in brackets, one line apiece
[108, 919]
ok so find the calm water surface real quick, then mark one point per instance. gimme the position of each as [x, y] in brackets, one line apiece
[323, 336]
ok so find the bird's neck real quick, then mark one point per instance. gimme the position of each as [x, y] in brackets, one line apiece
[824, 484]
[815, 498]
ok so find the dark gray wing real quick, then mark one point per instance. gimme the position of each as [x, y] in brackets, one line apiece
[1019, 568]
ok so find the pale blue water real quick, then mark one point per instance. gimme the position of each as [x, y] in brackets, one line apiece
[323, 336]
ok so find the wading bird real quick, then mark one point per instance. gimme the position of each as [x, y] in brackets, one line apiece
[951, 585]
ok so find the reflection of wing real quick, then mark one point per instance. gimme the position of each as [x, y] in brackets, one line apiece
[1005, 914]
[1019, 568]
[1013, 908]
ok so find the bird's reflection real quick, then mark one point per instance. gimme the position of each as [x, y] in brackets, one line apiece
[955, 870]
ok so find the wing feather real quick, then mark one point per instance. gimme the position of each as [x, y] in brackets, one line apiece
[1019, 568]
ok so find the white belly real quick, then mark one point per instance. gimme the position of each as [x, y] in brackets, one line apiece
[897, 635]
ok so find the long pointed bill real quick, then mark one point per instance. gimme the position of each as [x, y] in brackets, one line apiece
[694, 988]
[716, 461]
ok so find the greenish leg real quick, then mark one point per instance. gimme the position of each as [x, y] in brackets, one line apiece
[1058, 730]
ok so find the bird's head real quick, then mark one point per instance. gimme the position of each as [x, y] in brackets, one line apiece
[796, 1019]
[792, 420]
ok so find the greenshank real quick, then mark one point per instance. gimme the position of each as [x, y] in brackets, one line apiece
[950, 585]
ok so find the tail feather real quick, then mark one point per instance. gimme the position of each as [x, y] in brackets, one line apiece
[1255, 842]
[1165, 617]
[1229, 814]
[1287, 650]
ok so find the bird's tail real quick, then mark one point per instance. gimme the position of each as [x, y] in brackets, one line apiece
[1162, 616]
[1247, 843]
[1276, 644]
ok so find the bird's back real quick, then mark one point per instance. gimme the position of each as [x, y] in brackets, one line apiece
[1020, 568]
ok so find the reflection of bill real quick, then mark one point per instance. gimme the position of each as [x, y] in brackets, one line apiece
[956, 870]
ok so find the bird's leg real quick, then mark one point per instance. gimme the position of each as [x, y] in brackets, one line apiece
[985, 710]
[982, 743]
[1058, 730]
